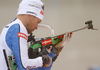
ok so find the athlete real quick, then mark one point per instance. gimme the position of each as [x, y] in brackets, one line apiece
[14, 36]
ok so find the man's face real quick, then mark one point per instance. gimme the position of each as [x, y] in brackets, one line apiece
[32, 23]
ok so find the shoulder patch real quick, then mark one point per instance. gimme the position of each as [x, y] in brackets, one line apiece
[22, 35]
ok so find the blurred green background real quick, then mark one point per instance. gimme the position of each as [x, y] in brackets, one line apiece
[83, 50]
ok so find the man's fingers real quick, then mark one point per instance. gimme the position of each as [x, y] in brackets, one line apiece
[67, 36]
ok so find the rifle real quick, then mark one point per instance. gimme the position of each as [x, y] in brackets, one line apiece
[44, 46]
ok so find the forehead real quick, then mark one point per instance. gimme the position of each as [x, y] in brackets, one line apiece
[39, 20]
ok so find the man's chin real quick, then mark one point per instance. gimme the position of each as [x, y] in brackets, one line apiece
[33, 30]
[30, 32]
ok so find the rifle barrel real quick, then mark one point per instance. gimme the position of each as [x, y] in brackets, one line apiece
[78, 29]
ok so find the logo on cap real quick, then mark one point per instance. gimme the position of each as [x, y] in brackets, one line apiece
[36, 6]
[31, 13]
[42, 13]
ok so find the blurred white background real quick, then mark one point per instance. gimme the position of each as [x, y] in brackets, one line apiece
[83, 50]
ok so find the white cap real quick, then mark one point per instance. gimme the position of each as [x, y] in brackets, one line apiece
[32, 7]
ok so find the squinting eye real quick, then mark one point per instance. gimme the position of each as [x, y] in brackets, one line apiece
[43, 7]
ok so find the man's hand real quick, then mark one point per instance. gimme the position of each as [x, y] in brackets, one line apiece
[66, 38]
[47, 60]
